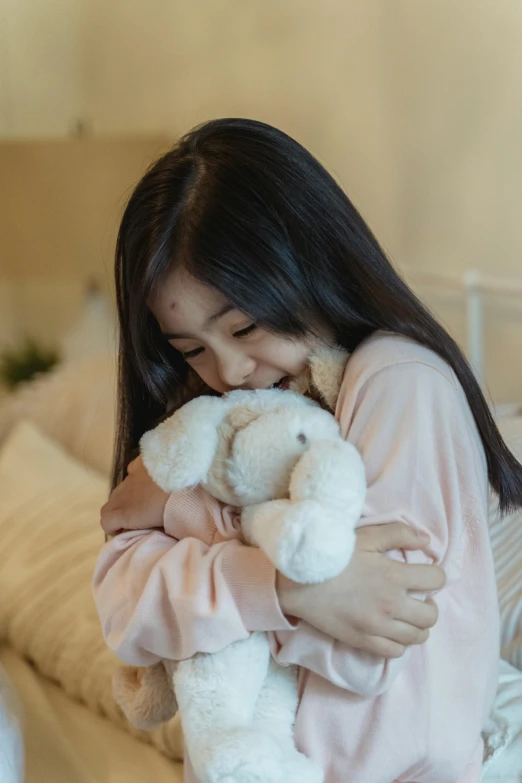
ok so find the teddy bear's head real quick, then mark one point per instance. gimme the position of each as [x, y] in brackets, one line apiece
[242, 447]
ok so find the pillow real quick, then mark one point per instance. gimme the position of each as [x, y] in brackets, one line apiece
[11, 734]
[506, 541]
[74, 405]
[94, 331]
[49, 541]
[503, 735]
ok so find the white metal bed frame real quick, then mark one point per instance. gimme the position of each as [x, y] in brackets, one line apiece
[474, 286]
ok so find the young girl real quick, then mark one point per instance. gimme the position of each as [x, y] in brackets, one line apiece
[237, 256]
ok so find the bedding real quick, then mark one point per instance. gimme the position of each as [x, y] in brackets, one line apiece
[503, 742]
[94, 331]
[11, 736]
[68, 743]
[49, 540]
[73, 404]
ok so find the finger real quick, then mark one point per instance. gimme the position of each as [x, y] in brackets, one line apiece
[107, 526]
[112, 532]
[421, 614]
[383, 648]
[111, 522]
[393, 535]
[419, 578]
[405, 634]
[401, 631]
[134, 465]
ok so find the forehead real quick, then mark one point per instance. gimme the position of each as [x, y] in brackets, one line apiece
[182, 299]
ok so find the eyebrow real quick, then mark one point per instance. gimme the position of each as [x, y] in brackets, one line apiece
[208, 323]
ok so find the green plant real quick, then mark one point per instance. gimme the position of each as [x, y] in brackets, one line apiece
[23, 362]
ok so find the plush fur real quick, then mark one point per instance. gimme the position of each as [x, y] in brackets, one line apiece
[280, 457]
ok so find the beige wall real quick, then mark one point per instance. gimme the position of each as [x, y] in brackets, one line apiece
[39, 66]
[60, 206]
[61, 201]
[414, 105]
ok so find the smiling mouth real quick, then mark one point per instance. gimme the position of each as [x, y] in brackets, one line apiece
[283, 384]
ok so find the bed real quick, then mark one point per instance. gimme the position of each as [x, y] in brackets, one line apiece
[65, 742]
[54, 461]
[55, 453]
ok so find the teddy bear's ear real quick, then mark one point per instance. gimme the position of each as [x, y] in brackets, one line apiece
[241, 417]
[178, 453]
[247, 406]
[323, 376]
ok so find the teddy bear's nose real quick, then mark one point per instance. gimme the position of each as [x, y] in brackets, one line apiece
[302, 437]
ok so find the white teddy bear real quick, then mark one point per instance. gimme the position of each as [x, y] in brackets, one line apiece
[280, 458]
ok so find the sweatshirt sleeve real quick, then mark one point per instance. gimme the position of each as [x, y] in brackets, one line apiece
[415, 433]
[161, 597]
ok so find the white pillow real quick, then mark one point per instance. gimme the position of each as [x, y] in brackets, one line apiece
[506, 541]
[503, 736]
[49, 541]
[11, 733]
[74, 405]
[94, 331]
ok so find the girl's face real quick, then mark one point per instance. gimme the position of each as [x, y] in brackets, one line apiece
[224, 346]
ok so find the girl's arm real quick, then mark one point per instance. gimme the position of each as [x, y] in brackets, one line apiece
[159, 596]
[162, 598]
[425, 466]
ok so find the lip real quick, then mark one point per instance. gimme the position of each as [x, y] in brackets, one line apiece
[283, 384]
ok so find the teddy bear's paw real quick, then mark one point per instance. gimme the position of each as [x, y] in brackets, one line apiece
[308, 550]
[145, 695]
[242, 756]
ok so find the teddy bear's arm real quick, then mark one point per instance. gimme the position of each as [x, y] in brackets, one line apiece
[310, 537]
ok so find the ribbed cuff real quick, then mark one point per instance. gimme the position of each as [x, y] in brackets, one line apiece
[191, 513]
[251, 578]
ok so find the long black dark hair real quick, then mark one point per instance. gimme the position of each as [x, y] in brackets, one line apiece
[247, 210]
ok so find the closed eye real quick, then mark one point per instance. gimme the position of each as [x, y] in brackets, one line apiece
[246, 331]
[239, 334]
[192, 354]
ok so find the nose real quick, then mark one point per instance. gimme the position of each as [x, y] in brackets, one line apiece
[234, 368]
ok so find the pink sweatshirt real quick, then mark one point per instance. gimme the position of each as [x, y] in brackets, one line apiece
[197, 587]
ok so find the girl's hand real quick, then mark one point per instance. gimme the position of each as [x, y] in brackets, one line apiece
[368, 606]
[135, 504]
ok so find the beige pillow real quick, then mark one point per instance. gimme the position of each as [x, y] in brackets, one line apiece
[74, 405]
[49, 541]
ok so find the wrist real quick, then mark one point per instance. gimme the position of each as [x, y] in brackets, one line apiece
[288, 594]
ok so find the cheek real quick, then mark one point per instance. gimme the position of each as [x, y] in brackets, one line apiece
[209, 375]
[291, 356]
